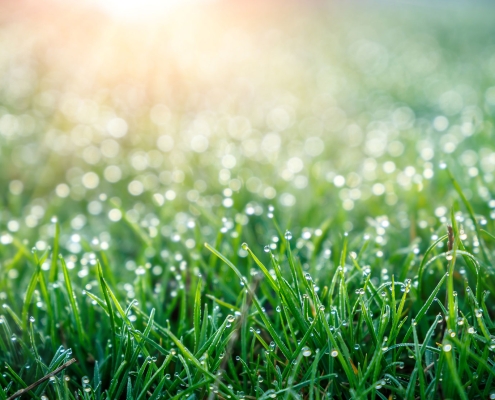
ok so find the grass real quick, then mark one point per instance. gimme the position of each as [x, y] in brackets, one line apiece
[270, 327]
[319, 227]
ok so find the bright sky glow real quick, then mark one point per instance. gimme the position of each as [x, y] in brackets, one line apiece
[141, 9]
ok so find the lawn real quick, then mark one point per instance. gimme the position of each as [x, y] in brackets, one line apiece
[251, 200]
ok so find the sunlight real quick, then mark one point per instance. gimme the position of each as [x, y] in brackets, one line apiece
[140, 9]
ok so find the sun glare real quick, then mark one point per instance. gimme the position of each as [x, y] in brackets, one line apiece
[140, 9]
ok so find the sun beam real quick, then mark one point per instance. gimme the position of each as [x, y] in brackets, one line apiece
[141, 10]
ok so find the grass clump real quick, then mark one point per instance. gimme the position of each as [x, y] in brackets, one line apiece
[344, 322]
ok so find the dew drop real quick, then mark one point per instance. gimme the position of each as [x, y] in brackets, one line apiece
[306, 351]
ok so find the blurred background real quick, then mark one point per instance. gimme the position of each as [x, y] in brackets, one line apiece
[186, 120]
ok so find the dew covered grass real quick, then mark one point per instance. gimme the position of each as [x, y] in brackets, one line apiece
[248, 202]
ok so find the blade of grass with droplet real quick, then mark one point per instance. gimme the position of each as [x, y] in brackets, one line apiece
[182, 313]
[49, 306]
[73, 304]
[19, 380]
[394, 331]
[113, 336]
[283, 348]
[296, 275]
[183, 349]
[189, 389]
[268, 276]
[452, 321]
[257, 304]
[312, 390]
[369, 322]
[426, 306]
[222, 303]
[155, 377]
[304, 340]
[379, 350]
[470, 211]
[423, 261]
[453, 374]
[13, 315]
[116, 379]
[99, 301]
[27, 298]
[204, 327]
[419, 364]
[197, 316]
[54, 264]
[343, 360]
[289, 297]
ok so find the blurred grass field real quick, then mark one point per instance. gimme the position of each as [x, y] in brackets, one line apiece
[320, 151]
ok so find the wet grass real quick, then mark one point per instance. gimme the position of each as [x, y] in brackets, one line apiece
[317, 226]
[295, 321]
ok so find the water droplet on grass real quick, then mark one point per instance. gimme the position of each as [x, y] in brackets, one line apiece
[306, 351]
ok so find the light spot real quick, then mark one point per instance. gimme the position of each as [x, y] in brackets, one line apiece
[90, 180]
[135, 188]
[117, 127]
